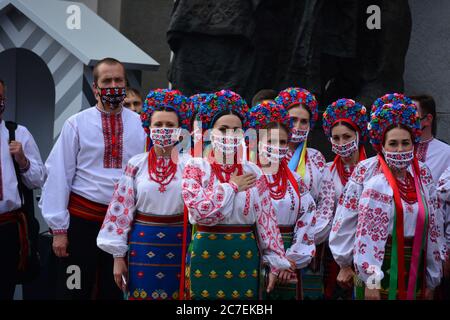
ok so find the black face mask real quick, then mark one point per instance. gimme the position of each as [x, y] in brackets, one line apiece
[112, 96]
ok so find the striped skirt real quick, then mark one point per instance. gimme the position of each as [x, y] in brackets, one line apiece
[224, 263]
[289, 291]
[384, 291]
[154, 260]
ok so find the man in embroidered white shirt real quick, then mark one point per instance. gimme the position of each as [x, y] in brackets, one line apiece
[12, 220]
[84, 165]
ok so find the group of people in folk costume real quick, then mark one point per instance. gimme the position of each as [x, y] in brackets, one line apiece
[229, 202]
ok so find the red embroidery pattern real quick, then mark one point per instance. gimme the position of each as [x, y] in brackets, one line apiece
[203, 203]
[193, 172]
[261, 185]
[112, 126]
[268, 229]
[131, 171]
[325, 208]
[247, 202]
[377, 196]
[358, 174]
[318, 159]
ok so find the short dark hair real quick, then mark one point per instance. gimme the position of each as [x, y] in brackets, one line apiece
[264, 94]
[109, 61]
[428, 106]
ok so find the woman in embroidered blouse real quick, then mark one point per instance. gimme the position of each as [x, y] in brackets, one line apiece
[145, 216]
[345, 124]
[292, 202]
[398, 246]
[229, 201]
[342, 235]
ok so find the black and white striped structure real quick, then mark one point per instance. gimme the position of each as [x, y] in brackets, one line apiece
[67, 38]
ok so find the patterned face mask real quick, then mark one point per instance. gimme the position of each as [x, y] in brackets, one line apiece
[272, 153]
[298, 136]
[113, 96]
[226, 144]
[164, 137]
[345, 150]
[398, 160]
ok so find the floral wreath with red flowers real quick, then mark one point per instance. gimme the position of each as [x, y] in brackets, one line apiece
[161, 99]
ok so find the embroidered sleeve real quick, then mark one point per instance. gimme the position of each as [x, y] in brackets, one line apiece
[436, 245]
[207, 204]
[325, 208]
[113, 235]
[375, 212]
[342, 234]
[316, 162]
[61, 167]
[443, 192]
[303, 248]
[271, 244]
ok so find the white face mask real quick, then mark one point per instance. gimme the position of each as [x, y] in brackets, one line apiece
[345, 150]
[298, 136]
[226, 144]
[272, 153]
[398, 160]
[164, 137]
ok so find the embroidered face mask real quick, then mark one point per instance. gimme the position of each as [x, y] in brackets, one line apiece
[2, 105]
[164, 137]
[345, 150]
[113, 96]
[398, 160]
[226, 144]
[298, 136]
[272, 153]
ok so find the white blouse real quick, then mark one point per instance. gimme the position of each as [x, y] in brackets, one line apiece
[330, 191]
[33, 177]
[83, 160]
[436, 155]
[443, 192]
[136, 192]
[300, 213]
[211, 202]
[315, 164]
